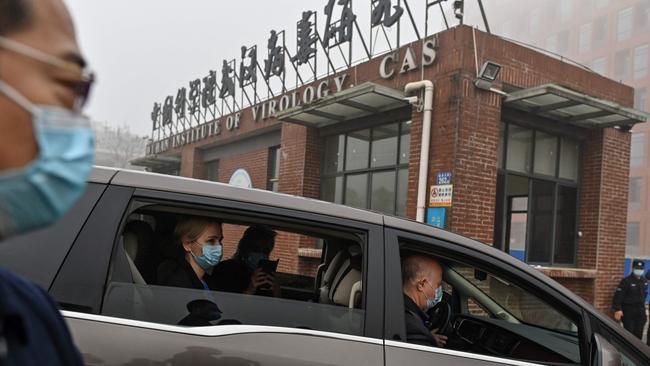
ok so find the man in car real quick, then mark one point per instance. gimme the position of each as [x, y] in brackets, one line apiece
[422, 287]
[46, 155]
[629, 300]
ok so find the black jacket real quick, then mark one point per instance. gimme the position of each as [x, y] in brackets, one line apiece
[31, 326]
[416, 325]
[232, 275]
[183, 276]
[631, 292]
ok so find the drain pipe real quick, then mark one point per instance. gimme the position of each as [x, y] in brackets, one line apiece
[425, 144]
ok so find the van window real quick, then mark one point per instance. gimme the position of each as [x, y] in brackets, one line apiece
[310, 277]
[490, 315]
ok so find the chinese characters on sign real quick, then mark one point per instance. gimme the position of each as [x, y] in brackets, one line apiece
[307, 38]
[381, 14]
[339, 31]
[441, 195]
[181, 114]
[274, 65]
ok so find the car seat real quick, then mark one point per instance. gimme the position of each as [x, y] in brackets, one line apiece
[341, 281]
[138, 239]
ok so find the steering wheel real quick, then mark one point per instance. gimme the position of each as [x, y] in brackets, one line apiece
[440, 317]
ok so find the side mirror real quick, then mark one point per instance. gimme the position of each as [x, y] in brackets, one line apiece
[603, 353]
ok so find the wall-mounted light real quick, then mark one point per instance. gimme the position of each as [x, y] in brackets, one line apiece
[487, 76]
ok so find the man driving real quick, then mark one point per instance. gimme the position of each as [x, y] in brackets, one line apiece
[422, 286]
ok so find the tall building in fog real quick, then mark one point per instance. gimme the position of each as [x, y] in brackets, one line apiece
[612, 38]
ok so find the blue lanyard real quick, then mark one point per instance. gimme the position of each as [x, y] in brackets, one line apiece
[205, 285]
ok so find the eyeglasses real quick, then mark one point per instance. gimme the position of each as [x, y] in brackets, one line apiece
[85, 80]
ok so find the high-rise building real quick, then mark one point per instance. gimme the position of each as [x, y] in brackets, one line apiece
[610, 37]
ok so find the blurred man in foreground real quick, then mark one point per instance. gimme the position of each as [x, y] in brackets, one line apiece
[46, 154]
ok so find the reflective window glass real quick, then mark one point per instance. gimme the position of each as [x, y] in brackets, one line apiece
[334, 153]
[569, 159]
[332, 189]
[384, 145]
[405, 142]
[383, 192]
[356, 190]
[402, 189]
[545, 153]
[520, 145]
[358, 146]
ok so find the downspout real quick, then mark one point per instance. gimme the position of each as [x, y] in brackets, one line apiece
[425, 144]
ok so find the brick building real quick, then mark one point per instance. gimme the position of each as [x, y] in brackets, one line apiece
[613, 39]
[539, 165]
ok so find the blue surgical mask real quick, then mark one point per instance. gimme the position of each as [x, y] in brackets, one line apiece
[638, 272]
[211, 256]
[252, 260]
[437, 298]
[40, 193]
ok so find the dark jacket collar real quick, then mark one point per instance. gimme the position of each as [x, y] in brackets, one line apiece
[412, 307]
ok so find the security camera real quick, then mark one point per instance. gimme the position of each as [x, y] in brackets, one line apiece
[412, 100]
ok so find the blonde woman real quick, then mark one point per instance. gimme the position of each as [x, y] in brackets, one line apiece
[199, 240]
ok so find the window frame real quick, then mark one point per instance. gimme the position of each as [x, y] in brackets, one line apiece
[373, 288]
[211, 166]
[274, 158]
[532, 176]
[369, 170]
[429, 243]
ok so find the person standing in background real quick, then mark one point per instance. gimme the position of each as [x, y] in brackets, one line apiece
[630, 298]
[46, 155]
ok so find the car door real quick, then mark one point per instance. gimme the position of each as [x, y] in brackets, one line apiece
[505, 336]
[105, 306]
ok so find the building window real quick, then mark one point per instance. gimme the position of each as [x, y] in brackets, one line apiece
[211, 170]
[368, 168]
[637, 149]
[537, 202]
[632, 238]
[584, 38]
[641, 62]
[624, 26]
[273, 169]
[642, 15]
[641, 99]
[622, 64]
[636, 187]
[600, 32]
[599, 65]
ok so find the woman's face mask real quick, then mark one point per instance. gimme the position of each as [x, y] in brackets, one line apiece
[40, 193]
[210, 257]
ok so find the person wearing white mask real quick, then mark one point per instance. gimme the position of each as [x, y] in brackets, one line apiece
[46, 155]
[422, 287]
[630, 298]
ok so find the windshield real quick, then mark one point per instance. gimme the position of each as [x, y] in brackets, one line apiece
[504, 300]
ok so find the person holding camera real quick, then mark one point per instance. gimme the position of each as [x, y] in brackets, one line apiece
[249, 271]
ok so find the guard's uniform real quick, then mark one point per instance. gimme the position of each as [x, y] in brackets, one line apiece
[630, 298]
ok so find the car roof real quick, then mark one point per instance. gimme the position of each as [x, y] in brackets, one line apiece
[162, 182]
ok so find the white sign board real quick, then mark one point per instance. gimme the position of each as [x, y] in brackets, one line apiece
[240, 178]
[441, 195]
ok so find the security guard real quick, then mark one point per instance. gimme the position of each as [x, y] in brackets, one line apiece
[629, 300]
